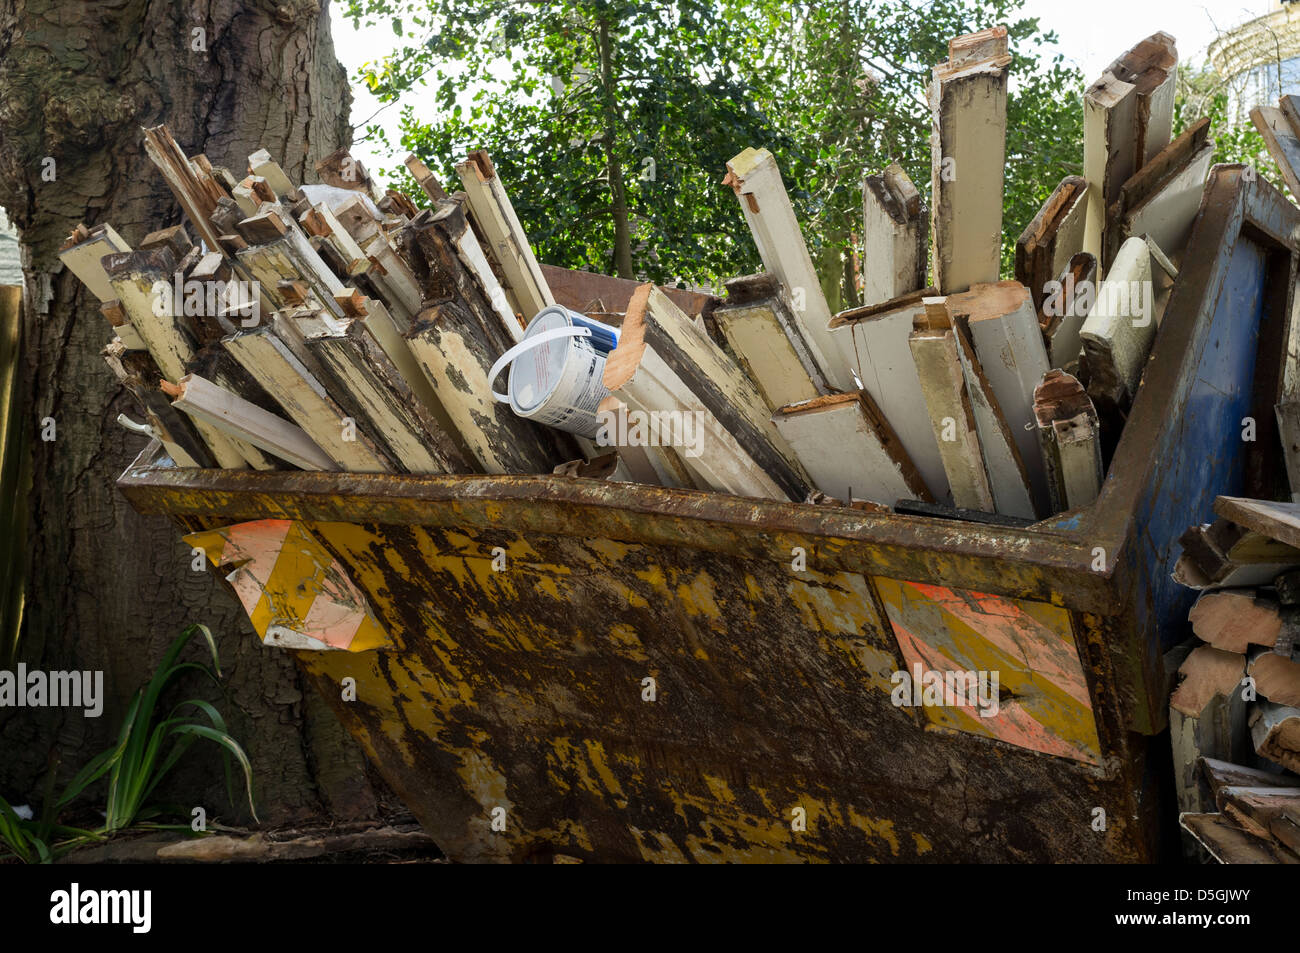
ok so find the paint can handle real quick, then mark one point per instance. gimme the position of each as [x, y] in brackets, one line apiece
[527, 344]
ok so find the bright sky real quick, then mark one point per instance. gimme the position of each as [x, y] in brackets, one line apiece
[1092, 35]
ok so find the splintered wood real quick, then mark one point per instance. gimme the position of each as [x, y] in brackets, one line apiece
[1234, 715]
[968, 108]
[335, 325]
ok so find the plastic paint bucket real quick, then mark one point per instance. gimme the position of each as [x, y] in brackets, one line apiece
[556, 370]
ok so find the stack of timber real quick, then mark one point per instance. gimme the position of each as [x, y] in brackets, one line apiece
[1234, 714]
[338, 326]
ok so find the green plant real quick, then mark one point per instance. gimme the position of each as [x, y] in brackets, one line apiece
[135, 765]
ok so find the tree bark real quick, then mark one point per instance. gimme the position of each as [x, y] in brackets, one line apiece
[617, 188]
[108, 588]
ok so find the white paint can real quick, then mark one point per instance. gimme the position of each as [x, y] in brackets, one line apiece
[556, 371]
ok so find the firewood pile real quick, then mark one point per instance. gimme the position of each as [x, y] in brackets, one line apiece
[335, 327]
[1235, 712]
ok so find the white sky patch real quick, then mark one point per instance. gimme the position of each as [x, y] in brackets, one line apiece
[1090, 39]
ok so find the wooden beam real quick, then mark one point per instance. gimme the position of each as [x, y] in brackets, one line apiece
[849, 449]
[342, 171]
[84, 259]
[1066, 308]
[1236, 619]
[230, 413]
[952, 418]
[1003, 325]
[1228, 844]
[756, 180]
[425, 179]
[1069, 434]
[455, 351]
[584, 291]
[1283, 142]
[968, 113]
[878, 349]
[1007, 475]
[355, 364]
[139, 375]
[1161, 201]
[1120, 329]
[195, 199]
[474, 278]
[305, 401]
[1279, 521]
[1053, 238]
[133, 277]
[175, 238]
[504, 236]
[649, 462]
[1277, 677]
[665, 363]
[1128, 119]
[1275, 733]
[262, 165]
[895, 236]
[759, 325]
[1288, 426]
[1207, 718]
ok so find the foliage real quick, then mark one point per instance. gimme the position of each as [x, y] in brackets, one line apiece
[834, 89]
[1203, 93]
[136, 765]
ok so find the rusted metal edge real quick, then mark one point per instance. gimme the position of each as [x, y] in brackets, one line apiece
[1231, 204]
[1006, 561]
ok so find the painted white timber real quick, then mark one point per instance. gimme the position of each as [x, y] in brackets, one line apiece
[894, 237]
[878, 339]
[300, 395]
[404, 294]
[171, 352]
[968, 114]
[758, 340]
[1009, 343]
[1119, 331]
[261, 163]
[83, 260]
[1074, 302]
[648, 463]
[495, 215]
[715, 379]
[1283, 143]
[230, 413]
[1069, 435]
[846, 450]
[1003, 464]
[443, 360]
[399, 425]
[1128, 120]
[723, 464]
[470, 251]
[943, 384]
[1109, 148]
[342, 241]
[1166, 217]
[756, 179]
[246, 198]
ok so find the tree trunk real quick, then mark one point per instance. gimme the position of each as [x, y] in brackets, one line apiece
[108, 588]
[617, 188]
